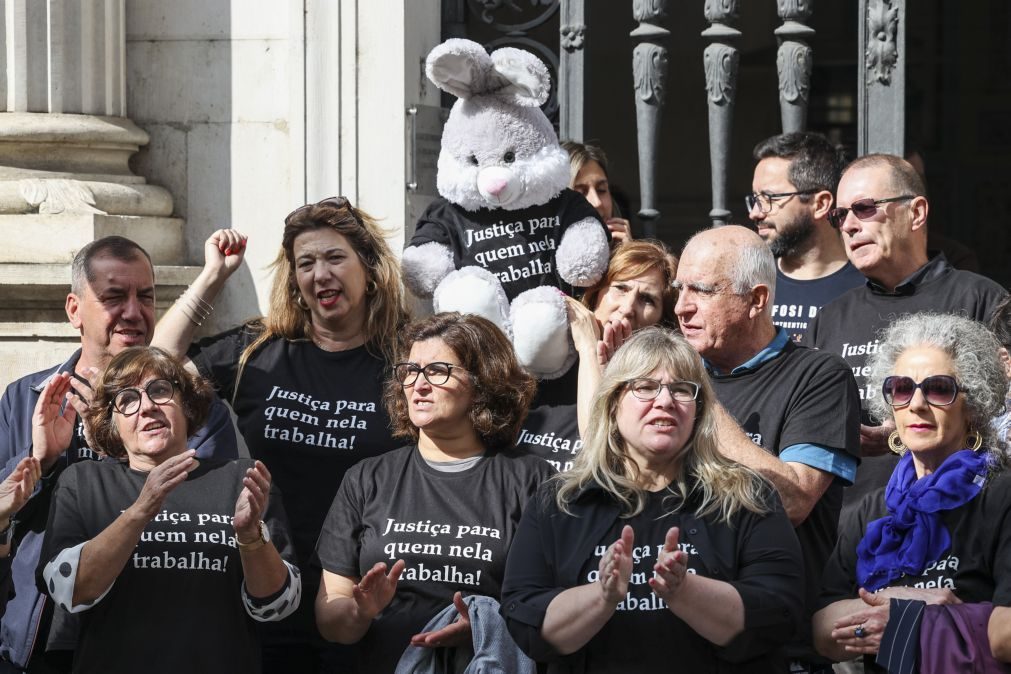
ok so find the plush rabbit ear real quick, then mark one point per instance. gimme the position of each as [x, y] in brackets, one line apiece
[526, 79]
[461, 67]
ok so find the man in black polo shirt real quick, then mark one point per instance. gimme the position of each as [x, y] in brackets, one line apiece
[882, 211]
[798, 408]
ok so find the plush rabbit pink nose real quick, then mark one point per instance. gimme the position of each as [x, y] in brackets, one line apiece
[495, 185]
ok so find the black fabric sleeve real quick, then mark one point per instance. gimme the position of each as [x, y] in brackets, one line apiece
[276, 520]
[530, 583]
[810, 338]
[217, 357]
[66, 526]
[338, 549]
[432, 227]
[770, 580]
[839, 581]
[1001, 521]
[827, 413]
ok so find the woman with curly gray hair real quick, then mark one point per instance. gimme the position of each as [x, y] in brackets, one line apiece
[940, 532]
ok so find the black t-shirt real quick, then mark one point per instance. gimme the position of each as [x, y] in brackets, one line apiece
[518, 247]
[453, 529]
[801, 396]
[177, 604]
[976, 567]
[551, 429]
[849, 326]
[797, 301]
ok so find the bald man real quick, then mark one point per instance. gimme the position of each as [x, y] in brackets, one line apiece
[788, 412]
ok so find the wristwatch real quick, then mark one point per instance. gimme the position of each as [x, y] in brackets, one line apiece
[259, 542]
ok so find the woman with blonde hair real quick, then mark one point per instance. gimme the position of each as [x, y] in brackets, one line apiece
[654, 546]
[305, 381]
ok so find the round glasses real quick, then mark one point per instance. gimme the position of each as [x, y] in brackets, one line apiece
[938, 390]
[649, 389]
[764, 199]
[436, 373]
[159, 391]
[864, 209]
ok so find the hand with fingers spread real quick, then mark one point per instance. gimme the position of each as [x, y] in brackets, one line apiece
[160, 482]
[584, 326]
[224, 251]
[82, 389]
[455, 634]
[19, 485]
[53, 421]
[252, 503]
[671, 568]
[375, 590]
[616, 567]
[615, 333]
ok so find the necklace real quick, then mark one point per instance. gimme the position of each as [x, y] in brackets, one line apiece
[325, 348]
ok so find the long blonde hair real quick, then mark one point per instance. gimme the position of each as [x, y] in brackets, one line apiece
[719, 486]
[386, 308]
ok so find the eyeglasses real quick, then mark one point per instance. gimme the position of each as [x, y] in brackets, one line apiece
[649, 389]
[335, 202]
[939, 390]
[159, 391]
[436, 374]
[864, 209]
[764, 199]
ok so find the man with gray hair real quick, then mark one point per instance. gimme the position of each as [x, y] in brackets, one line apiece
[798, 408]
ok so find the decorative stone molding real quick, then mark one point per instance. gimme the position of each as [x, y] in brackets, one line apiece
[572, 37]
[882, 45]
[649, 71]
[52, 197]
[649, 11]
[721, 62]
[794, 9]
[720, 11]
[793, 64]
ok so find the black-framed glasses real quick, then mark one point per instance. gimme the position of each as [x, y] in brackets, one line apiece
[645, 388]
[939, 390]
[864, 209]
[764, 200]
[337, 202]
[159, 391]
[436, 374]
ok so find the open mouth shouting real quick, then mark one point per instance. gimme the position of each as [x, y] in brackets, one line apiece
[328, 298]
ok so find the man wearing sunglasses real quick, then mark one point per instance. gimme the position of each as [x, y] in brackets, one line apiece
[881, 211]
[788, 412]
[111, 304]
[794, 180]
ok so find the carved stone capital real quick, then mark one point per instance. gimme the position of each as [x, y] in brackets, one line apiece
[573, 37]
[882, 44]
[649, 71]
[720, 11]
[794, 9]
[793, 63]
[721, 63]
[652, 11]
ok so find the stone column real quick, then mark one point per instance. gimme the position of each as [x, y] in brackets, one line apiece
[649, 72]
[65, 180]
[793, 62]
[721, 60]
[881, 91]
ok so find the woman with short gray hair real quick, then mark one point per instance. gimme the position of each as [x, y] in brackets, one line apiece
[940, 532]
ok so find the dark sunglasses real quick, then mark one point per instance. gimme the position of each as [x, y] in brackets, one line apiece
[939, 390]
[864, 209]
[436, 374]
[336, 202]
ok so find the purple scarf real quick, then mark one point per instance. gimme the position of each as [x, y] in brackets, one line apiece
[912, 534]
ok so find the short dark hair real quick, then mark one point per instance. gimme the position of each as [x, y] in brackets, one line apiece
[1000, 322]
[902, 176]
[128, 368]
[815, 163]
[117, 247]
[503, 390]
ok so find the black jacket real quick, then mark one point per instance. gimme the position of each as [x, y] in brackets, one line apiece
[758, 555]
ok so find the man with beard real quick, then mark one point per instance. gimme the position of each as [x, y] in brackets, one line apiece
[795, 178]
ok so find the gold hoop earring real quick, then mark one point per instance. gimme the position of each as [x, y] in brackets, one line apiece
[974, 444]
[299, 300]
[895, 443]
[371, 290]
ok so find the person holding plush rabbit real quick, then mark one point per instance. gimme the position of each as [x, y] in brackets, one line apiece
[588, 167]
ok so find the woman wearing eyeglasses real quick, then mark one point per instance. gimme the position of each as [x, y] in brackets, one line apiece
[654, 552]
[305, 381]
[169, 560]
[940, 532]
[414, 528]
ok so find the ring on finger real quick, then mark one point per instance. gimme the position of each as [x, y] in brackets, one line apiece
[859, 632]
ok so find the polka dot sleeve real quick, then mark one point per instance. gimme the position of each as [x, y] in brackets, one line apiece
[280, 605]
[60, 576]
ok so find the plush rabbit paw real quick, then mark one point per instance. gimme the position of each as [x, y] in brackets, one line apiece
[541, 335]
[425, 266]
[583, 254]
[473, 290]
